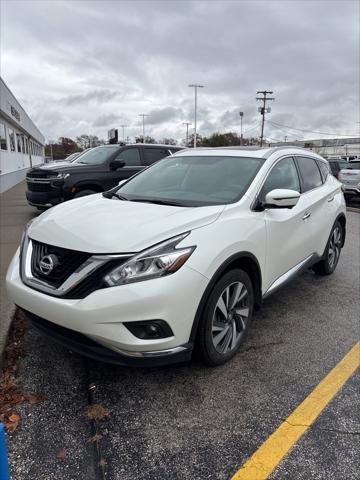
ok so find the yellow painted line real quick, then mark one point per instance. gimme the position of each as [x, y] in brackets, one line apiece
[273, 450]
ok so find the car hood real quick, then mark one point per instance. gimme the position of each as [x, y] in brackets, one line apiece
[51, 169]
[96, 224]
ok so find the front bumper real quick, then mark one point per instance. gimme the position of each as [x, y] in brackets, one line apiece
[83, 345]
[44, 199]
[101, 315]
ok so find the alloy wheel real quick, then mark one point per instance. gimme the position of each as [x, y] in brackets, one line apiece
[334, 247]
[230, 317]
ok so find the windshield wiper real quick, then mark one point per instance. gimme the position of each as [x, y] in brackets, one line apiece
[114, 194]
[158, 201]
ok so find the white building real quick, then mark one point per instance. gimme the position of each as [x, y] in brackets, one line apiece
[21, 142]
[344, 147]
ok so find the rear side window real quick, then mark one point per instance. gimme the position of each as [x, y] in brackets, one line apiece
[154, 154]
[282, 175]
[309, 172]
[324, 169]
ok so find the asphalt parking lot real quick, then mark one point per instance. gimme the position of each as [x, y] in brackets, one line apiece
[194, 422]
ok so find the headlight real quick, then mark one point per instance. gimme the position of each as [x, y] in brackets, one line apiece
[62, 176]
[163, 259]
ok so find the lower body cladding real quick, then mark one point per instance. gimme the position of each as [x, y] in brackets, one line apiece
[98, 325]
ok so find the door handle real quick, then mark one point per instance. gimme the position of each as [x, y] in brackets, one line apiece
[307, 215]
[330, 199]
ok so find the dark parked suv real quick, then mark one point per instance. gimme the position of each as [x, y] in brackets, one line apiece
[97, 170]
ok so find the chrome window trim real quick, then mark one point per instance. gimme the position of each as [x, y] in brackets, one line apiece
[41, 180]
[83, 271]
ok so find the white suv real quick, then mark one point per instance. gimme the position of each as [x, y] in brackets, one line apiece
[178, 257]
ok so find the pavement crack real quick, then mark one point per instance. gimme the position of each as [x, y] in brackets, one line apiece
[93, 408]
[263, 345]
[322, 429]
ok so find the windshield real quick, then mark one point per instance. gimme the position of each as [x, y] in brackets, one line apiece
[96, 155]
[193, 181]
[72, 157]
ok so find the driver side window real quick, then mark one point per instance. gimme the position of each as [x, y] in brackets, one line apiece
[282, 175]
[130, 156]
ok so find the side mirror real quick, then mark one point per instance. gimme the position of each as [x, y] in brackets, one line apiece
[115, 164]
[121, 182]
[281, 198]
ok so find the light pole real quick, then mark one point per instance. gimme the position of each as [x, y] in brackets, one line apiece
[123, 131]
[187, 132]
[143, 115]
[196, 86]
[241, 130]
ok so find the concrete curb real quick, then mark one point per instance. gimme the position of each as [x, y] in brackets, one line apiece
[14, 215]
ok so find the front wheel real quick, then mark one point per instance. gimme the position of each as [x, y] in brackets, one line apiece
[226, 317]
[327, 265]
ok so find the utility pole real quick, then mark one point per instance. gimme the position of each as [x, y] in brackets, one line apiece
[195, 86]
[187, 132]
[143, 115]
[123, 131]
[285, 138]
[263, 109]
[241, 130]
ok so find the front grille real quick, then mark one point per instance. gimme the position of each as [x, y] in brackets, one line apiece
[93, 282]
[67, 262]
[39, 173]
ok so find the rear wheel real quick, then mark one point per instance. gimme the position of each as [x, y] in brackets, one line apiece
[84, 193]
[327, 265]
[226, 318]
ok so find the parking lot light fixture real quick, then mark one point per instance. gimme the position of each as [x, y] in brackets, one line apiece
[195, 86]
[143, 115]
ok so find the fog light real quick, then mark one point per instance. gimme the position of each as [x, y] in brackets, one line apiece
[149, 329]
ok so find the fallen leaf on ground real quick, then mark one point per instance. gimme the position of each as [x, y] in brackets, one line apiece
[95, 438]
[96, 412]
[12, 422]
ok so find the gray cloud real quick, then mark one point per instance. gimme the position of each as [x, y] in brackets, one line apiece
[90, 66]
[106, 120]
[99, 96]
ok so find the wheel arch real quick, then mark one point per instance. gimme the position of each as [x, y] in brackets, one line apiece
[86, 185]
[245, 261]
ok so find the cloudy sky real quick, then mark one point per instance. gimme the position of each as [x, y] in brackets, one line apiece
[85, 67]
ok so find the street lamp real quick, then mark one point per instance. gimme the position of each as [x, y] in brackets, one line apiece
[187, 132]
[241, 130]
[123, 131]
[196, 86]
[143, 115]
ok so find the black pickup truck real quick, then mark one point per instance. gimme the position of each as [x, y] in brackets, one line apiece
[96, 170]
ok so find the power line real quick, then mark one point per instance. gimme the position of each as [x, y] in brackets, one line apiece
[263, 109]
[310, 131]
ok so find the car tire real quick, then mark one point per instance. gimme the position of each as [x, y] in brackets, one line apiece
[328, 263]
[226, 317]
[84, 193]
